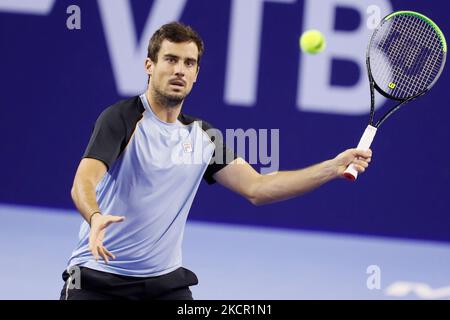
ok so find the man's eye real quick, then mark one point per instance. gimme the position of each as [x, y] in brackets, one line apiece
[171, 60]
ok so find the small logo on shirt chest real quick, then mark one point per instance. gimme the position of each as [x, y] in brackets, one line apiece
[187, 147]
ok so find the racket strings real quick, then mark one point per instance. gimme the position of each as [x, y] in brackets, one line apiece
[415, 60]
[409, 62]
[417, 29]
[406, 56]
[429, 70]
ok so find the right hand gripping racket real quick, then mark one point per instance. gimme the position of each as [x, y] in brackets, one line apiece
[405, 57]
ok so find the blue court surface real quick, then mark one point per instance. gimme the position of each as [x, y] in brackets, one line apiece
[236, 262]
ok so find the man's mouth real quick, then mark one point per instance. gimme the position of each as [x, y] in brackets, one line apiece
[178, 83]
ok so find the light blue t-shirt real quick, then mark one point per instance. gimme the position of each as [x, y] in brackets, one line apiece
[155, 169]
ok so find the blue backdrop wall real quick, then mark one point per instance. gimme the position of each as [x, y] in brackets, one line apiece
[55, 81]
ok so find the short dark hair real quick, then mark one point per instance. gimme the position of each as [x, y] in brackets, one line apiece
[174, 32]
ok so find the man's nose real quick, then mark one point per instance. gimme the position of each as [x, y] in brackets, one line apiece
[180, 69]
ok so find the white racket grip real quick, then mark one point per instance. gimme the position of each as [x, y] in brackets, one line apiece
[364, 144]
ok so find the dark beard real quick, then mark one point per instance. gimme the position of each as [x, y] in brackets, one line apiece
[165, 100]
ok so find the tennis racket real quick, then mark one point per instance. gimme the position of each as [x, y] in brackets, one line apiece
[404, 59]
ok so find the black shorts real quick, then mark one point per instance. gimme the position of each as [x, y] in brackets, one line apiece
[97, 285]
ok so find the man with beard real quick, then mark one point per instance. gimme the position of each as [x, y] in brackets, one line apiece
[140, 173]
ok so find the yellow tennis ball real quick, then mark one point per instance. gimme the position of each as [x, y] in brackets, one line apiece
[312, 41]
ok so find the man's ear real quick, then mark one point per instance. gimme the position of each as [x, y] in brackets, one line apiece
[196, 75]
[149, 65]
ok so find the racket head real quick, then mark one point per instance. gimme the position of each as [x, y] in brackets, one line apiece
[406, 55]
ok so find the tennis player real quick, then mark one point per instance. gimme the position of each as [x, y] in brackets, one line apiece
[134, 193]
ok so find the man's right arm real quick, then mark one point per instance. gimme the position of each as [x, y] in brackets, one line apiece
[89, 173]
[110, 134]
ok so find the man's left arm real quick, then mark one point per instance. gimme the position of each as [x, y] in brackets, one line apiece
[240, 177]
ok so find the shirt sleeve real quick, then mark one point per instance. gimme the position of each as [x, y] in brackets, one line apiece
[108, 137]
[222, 155]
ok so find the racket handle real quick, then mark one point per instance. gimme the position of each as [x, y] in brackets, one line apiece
[364, 144]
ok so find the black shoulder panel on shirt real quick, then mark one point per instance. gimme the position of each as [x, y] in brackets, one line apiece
[222, 155]
[113, 129]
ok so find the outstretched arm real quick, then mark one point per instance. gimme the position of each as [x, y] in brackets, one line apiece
[240, 177]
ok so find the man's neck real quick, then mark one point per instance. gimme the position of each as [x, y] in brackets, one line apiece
[165, 113]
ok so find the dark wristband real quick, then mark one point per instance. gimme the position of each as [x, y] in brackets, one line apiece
[92, 214]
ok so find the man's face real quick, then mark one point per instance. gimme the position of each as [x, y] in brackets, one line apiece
[176, 70]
